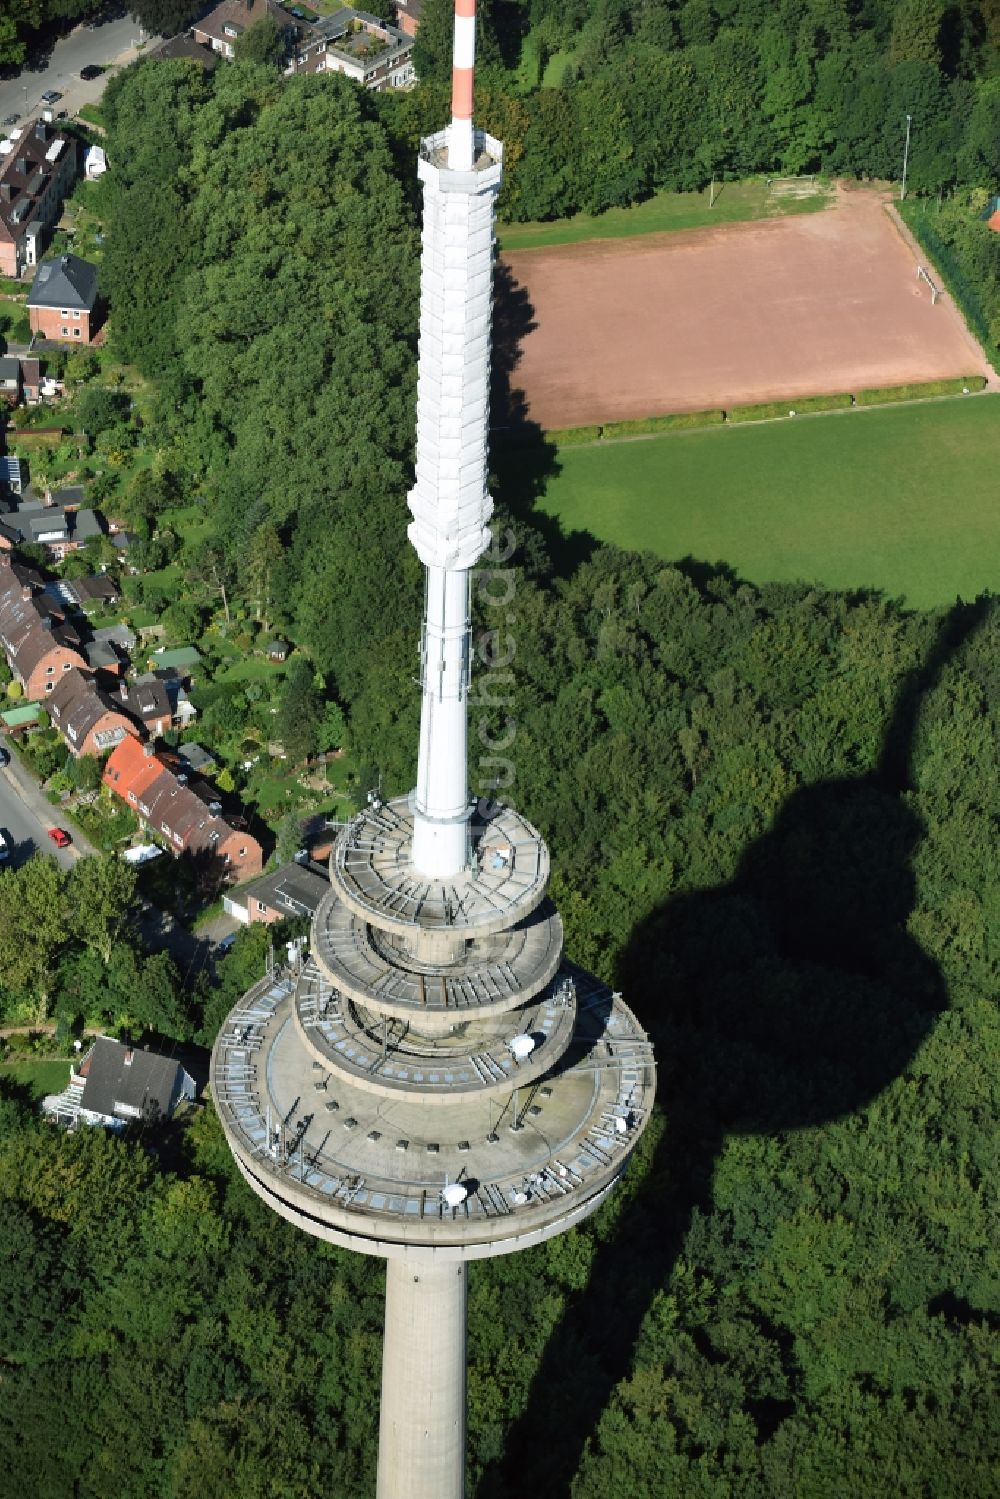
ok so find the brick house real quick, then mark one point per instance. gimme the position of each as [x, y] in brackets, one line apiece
[292, 892]
[39, 644]
[164, 803]
[222, 27]
[360, 45]
[408, 16]
[62, 303]
[87, 717]
[37, 167]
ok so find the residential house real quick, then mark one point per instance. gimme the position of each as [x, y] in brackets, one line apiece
[90, 594]
[183, 711]
[63, 301]
[59, 530]
[88, 718]
[222, 27]
[168, 806]
[40, 645]
[116, 1084]
[277, 650]
[148, 701]
[360, 45]
[186, 48]
[10, 379]
[294, 891]
[37, 167]
[103, 655]
[408, 13]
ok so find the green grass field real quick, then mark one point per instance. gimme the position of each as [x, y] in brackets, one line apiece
[904, 499]
[735, 202]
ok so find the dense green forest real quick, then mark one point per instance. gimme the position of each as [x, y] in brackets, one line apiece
[772, 812]
[600, 102]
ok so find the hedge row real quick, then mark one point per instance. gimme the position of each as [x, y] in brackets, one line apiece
[958, 387]
[794, 407]
[766, 411]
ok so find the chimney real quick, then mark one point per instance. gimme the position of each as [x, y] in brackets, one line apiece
[124, 692]
[129, 1054]
[26, 592]
[147, 750]
[6, 192]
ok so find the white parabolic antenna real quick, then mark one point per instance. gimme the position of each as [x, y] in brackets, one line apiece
[455, 1195]
[521, 1046]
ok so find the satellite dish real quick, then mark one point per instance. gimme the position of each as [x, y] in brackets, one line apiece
[518, 1198]
[621, 1125]
[455, 1195]
[521, 1047]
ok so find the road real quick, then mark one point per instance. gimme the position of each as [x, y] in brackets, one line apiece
[112, 42]
[25, 816]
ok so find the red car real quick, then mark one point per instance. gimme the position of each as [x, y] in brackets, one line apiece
[59, 837]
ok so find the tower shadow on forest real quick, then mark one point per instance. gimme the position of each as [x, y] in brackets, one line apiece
[788, 998]
[523, 459]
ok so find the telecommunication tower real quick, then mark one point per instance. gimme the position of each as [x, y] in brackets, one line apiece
[434, 1083]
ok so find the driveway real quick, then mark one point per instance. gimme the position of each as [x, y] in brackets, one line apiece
[26, 815]
[112, 43]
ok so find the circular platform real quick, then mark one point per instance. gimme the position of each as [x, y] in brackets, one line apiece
[496, 972]
[371, 871]
[369, 1172]
[388, 1058]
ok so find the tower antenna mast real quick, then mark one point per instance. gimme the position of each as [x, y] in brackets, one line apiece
[439, 1148]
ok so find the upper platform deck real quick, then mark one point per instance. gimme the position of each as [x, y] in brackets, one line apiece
[372, 872]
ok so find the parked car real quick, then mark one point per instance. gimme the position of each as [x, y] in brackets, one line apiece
[11, 120]
[4, 846]
[90, 72]
[59, 837]
[225, 943]
[51, 96]
[4, 756]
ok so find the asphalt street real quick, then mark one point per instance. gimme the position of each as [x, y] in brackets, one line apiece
[26, 816]
[112, 42]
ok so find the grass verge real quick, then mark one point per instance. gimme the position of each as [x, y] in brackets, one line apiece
[735, 202]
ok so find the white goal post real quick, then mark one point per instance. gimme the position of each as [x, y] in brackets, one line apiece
[923, 275]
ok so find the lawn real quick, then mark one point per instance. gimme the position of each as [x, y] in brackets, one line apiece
[41, 1074]
[901, 499]
[735, 202]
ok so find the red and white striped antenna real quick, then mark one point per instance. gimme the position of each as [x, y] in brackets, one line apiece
[460, 148]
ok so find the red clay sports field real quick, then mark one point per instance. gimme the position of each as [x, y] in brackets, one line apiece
[682, 321]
